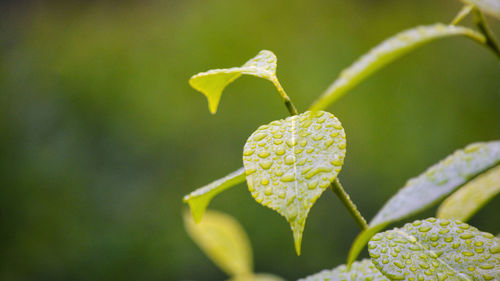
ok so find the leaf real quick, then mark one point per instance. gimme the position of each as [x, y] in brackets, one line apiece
[491, 7]
[223, 240]
[361, 240]
[213, 82]
[439, 181]
[386, 52]
[199, 199]
[360, 271]
[290, 162]
[464, 203]
[436, 250]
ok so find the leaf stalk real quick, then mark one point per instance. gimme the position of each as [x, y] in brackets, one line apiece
[348, 203]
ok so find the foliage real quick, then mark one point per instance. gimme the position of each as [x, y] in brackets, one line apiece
[288, 164]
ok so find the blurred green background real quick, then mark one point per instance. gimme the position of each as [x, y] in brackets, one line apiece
[101, 135]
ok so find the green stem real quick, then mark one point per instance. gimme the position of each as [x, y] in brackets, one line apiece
[462, 14]
[486, 31]
[346, 200]
[286, 99]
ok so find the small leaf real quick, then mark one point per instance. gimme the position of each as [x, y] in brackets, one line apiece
[386, 52]
[199, 199]
[361, 240]
[491, 7]
[213, 82]
[360, 271]
[439, 181]
[222, 239]
[290, 162]
[436, 250]
[464, 203]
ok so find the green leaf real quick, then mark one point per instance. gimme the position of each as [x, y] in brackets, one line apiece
[199, 199]
[386, 52]
[222, 239]
[491, 7]
[360, 271]
[290, 162]
[464, 203]
[213, 82]
[436, 250]
[361, 240]
[439, 181]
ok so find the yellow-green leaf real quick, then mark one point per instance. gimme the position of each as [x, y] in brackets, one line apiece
[466, 201]
[386, 52]
[491, 7]
[439, 181]
[436, 250]
[360, 271]
[290, 162]
[213, 82]
[199, 199]
[222, 239]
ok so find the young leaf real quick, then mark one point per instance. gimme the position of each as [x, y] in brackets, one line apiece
[290, 162]
[199, 199]
[213, 82]
[436, 250]
[386, 52]
[491, 7]
[439, 181]
[360, 271]
[464, 203]
[223, 240]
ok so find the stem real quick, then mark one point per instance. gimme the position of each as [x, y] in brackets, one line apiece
[346, 200]
[462, 14]
[288, 102]
[486, 31]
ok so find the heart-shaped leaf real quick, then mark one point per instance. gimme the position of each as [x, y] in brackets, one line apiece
[213, 82]
[199, 199]
[290, 162]
[386, 52]
[465, 202]
[439, 181]
[223, 240]
[360, 271]
[491, 7]
[436, 250]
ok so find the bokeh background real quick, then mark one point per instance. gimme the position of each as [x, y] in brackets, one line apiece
[101, 135]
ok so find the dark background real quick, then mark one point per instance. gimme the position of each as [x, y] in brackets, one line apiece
[101, 135]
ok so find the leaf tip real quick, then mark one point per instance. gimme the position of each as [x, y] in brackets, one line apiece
[197, 210]
[297, 230]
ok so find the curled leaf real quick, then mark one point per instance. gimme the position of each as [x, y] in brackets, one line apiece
[491, 7]
[360, 271]
[213, 82]
[289, 163]
[437, 250]
[466, 201]
[439, 181]
[223, 240]
[199, 199]
[386, 52]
